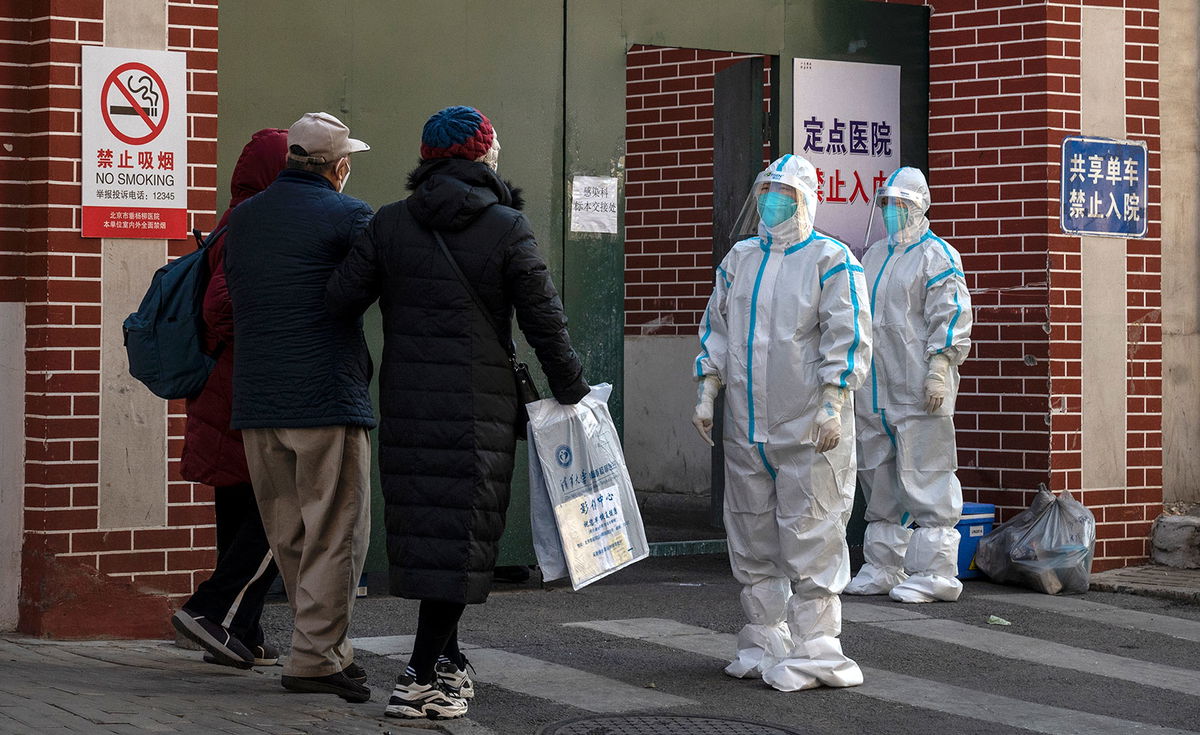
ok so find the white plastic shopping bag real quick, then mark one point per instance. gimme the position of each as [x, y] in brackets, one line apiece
[547, 544]
[582, 508]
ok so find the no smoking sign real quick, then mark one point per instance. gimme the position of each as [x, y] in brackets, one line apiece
[135, 103]
[135, 171]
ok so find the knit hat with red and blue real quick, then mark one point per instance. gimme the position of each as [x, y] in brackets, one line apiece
[457, 132]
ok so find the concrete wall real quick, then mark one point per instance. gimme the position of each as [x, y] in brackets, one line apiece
[1102, 110]
[668, 461]
[1180, 57]
[133, 421]
[12, 458]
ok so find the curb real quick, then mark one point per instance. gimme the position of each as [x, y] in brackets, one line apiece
[1146, 590]
[688, 548]
[1166, 583]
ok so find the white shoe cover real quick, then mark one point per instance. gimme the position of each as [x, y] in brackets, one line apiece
[927, 588]
[814, 663]
[759, 647]
[871, 580]
[931, 563]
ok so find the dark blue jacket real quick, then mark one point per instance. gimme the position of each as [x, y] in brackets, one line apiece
[295, 365]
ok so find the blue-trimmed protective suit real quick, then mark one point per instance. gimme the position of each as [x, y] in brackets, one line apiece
[906, 455]
[788, 316]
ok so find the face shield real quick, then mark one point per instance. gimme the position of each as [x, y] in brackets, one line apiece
[896, 212]
[775, 200]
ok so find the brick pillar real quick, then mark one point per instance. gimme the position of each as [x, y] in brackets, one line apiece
[79, 578]
[1005, 89]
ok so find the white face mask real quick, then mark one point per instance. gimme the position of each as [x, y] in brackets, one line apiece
[342, 185]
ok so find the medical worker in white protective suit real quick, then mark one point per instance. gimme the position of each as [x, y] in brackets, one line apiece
[921, 324]
[787, 331]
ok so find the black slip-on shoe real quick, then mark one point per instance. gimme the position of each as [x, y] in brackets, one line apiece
[214, 638]
[355, 673]
[338, 684]
[264, 655]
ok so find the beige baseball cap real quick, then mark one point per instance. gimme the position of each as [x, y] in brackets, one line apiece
[322, 138]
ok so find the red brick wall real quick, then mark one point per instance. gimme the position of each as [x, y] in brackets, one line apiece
[1005, 90]
[191, 28]
[63, 293]
[15, 74]
[669, 189]
[1124, 514]
[993, 113]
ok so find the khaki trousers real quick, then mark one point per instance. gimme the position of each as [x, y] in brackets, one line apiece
[313, 487]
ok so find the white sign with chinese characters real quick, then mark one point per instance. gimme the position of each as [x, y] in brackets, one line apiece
[594, 204]
[847, 123]
[134, 143]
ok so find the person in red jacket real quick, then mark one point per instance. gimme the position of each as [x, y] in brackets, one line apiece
[223, 614]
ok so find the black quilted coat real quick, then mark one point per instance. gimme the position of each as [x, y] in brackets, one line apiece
[446, 395]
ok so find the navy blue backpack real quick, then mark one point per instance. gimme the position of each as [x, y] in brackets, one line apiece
[163, 337]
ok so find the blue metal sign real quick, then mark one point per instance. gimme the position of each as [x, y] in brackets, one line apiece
[1103, 187]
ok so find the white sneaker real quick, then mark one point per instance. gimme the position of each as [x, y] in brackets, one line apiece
[456, 680]
[413, 701]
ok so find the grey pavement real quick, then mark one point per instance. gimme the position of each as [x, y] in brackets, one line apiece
[153, 686]
[652, 640]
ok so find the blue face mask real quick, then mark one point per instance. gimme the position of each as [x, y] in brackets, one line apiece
[775, 208]
[895, 217]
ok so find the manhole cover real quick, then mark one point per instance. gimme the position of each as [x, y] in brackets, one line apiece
[661, 725]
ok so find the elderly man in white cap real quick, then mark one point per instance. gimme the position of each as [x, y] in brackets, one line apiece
[300, 395]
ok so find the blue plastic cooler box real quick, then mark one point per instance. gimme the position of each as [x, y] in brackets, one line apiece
[976, 522]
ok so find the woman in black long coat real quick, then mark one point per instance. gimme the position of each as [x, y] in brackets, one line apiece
[447, 395]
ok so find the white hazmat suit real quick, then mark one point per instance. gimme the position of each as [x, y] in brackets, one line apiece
[921, 325]
[787, 331]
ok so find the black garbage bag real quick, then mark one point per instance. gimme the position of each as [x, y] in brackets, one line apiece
[1047, 547]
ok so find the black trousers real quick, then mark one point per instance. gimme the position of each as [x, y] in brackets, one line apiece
[233, 596]
[437, 635]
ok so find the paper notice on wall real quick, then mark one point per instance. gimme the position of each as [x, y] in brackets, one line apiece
[594, 204]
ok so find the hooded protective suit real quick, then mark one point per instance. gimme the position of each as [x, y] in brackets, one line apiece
[786, 326]
[921, 323]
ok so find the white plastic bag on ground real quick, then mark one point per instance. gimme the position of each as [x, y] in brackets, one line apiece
[582, 508]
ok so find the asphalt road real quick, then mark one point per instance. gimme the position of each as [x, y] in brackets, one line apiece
[651, 639]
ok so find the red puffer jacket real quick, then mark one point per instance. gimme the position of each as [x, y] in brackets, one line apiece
[213, 452]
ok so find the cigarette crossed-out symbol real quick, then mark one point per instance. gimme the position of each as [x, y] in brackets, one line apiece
[143, 87]
[134, 90]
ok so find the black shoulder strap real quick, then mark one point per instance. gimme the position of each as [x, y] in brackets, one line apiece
[509, 348]
[203, 242]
